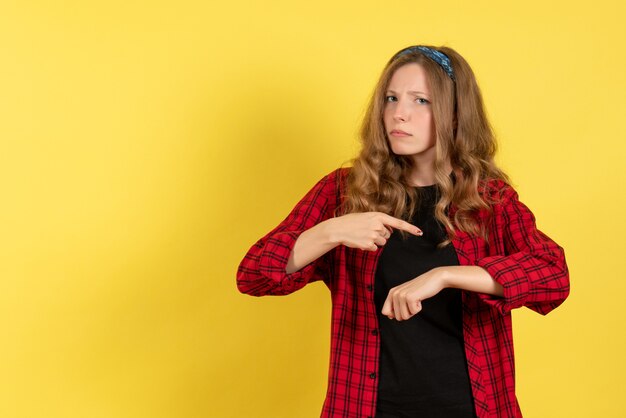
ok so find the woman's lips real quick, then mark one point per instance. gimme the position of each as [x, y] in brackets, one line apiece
[397, 132]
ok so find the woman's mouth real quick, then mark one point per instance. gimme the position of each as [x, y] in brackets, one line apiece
[398, 132]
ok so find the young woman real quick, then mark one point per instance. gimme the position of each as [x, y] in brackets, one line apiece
[425, 248]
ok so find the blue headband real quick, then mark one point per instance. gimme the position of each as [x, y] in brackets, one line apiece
[439, 57]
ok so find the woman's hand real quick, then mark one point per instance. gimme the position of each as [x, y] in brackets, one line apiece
[405, 300]
[367, 230]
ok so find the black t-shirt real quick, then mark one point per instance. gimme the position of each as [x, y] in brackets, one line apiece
[423, 370]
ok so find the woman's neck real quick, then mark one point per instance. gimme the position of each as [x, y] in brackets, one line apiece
[424, 175]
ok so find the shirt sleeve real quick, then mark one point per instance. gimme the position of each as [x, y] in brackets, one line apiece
[532, 271]
[263, 269]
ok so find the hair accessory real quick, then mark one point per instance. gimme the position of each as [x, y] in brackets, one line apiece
[439, 57]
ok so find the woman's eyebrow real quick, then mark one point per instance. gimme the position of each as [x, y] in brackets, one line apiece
[413, 92]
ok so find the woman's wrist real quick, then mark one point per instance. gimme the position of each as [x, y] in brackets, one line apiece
[445, 276]
[330, 233]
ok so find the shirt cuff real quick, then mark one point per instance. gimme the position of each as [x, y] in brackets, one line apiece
[507, 271]
[274, 258]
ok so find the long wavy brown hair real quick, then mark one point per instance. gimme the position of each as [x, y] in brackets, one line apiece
[379, 179]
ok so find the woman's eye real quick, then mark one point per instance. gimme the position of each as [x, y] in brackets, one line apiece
[390, 98]
[422, 100]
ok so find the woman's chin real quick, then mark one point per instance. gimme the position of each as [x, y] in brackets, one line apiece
[403, 151]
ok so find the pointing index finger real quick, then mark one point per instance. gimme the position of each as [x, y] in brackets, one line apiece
[403, 225]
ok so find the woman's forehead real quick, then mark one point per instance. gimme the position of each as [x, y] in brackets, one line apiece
[409, 78]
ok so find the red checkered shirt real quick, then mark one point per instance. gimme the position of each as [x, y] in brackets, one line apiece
[528, 264]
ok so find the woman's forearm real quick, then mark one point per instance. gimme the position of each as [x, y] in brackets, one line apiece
[311, 245]
[405, 300]
[472, 278]
[364, 231]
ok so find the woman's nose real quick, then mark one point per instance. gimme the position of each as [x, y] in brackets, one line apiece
[401, 113]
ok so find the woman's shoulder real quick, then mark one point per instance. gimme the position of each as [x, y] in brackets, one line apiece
[338, 175]
[341, 172]
[497, 190]
[332, 183]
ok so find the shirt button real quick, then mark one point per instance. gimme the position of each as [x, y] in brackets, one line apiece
[374, 332]
[372, 375]
[370, 287]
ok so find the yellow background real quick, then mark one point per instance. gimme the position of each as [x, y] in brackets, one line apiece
[145, 146]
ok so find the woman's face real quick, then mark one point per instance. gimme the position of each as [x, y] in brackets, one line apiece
[408, 115]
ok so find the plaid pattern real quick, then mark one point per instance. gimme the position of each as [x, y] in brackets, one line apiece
[527, 263]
